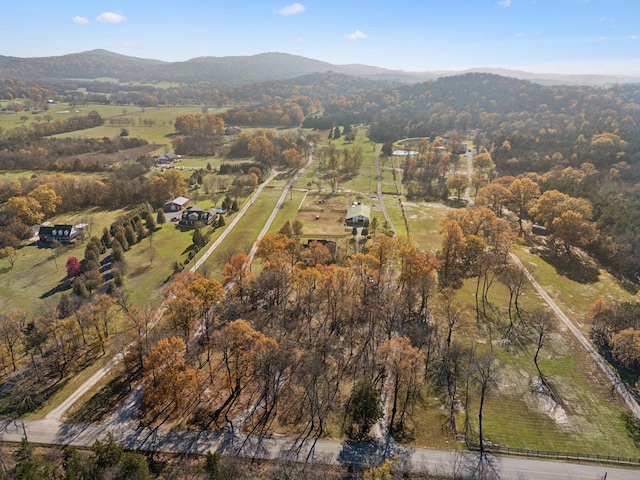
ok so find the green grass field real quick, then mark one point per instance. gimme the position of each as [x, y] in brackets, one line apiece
[242, 237]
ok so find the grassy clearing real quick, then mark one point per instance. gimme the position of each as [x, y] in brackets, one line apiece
[245, 233]
[592, 418]
[288, 210]
[575, 298]
[424, 219]
[35, 278]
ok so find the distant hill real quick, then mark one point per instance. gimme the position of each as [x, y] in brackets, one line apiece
[225, 72]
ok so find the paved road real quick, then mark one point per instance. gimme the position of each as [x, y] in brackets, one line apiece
[320, 451]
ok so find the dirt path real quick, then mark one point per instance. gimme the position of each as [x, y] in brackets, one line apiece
[383, 207]
[602, 363]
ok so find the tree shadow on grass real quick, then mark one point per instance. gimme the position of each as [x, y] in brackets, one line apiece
[574, 268]
[62, 286]
[28, 394]
[100, 404]
[140, 271]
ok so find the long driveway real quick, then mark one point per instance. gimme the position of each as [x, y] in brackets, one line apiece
[383, 207]
[602, 363]
[58, 412]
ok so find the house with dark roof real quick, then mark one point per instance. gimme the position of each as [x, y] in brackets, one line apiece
[65, 234]
[166, 158]
[194, 217]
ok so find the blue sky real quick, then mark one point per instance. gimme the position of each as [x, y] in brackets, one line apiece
[564, 36]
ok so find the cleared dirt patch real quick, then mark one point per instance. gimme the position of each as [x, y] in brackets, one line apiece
[323, 217]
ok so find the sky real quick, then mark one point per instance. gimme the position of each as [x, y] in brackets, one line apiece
[543, 36]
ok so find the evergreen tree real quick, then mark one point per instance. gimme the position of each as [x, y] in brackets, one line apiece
[198, 238]
[107, 239]
[29, 465]
[117, 252]
[286, 229]
[160, 218]
[121, 238]
[150, 223]
[108, 452]
[130, 235]
[141, 231]
[363, 410]
[212, 465]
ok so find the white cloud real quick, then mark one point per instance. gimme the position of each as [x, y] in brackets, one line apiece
[520, 35]
[78, 20]
[635, 37]
[298, 40]
[109, 17]
[201, 41]
[504, 3]
[293, 9]
[357, 35]
[603, 39]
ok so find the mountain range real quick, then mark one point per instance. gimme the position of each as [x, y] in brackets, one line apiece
[224, 72]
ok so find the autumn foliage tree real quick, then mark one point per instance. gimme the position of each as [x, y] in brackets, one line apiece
[237, 275]
[74, 268]
[244, 351]
[188, 300]
[170, 384]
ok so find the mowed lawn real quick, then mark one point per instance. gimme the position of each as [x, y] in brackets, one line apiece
[31, 283]
[37, 277]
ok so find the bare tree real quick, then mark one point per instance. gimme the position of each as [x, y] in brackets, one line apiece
[541, 322]
[485, 375]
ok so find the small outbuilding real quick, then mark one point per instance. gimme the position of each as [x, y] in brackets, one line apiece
[358, 215]
[176, 204]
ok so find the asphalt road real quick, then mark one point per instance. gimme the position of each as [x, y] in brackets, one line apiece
[320, 451]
